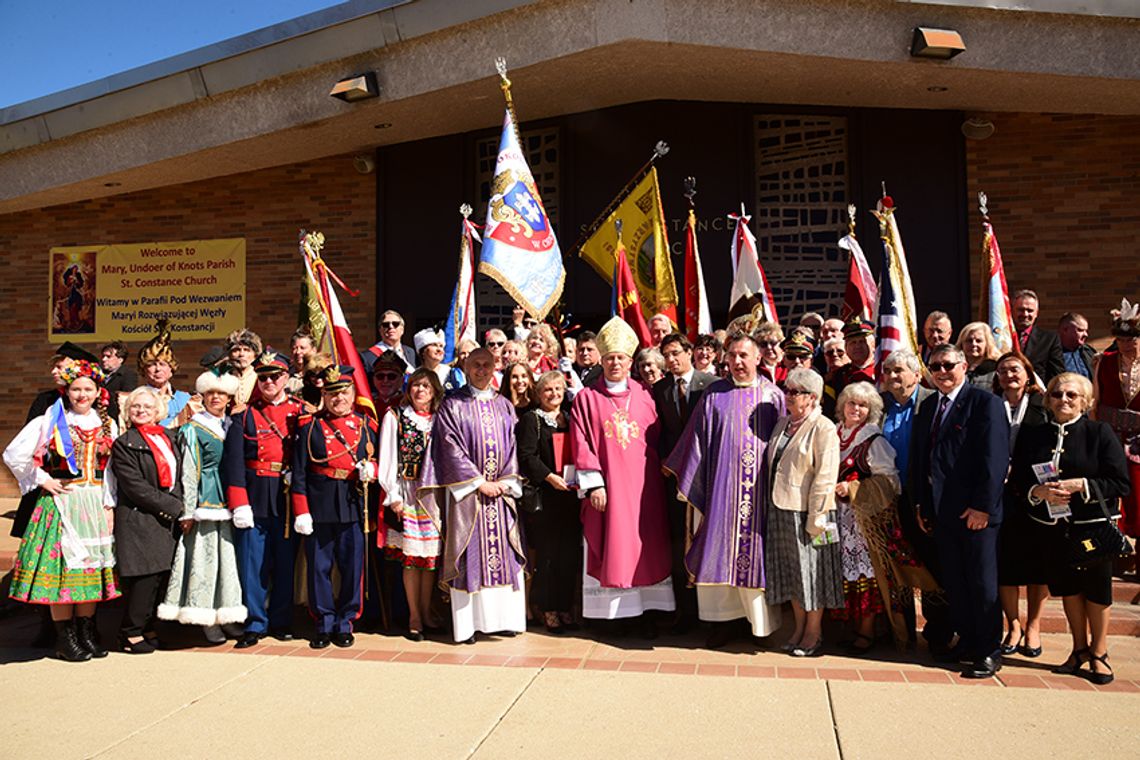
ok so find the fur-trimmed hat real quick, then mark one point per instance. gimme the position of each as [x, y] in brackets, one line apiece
[243, 337]
[208, 381]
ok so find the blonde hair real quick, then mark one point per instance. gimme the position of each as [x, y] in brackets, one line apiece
[160, 403]
[992, 351]
[1083, 384]
[552, 349]
[861, 391]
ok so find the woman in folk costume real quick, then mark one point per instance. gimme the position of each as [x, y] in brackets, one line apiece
[1117, 386]
[147, 464]
[405, 439]
[878, 566]
[204, 588]
[66, 558]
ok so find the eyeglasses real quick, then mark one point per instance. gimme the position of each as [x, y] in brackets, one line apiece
[835, 352]
[1068, 395]
[391, 325]
[942, 366]
[386, 376]
[767, 343]
[796, 392]
[496, 343]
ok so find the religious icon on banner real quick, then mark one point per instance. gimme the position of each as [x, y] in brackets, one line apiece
[73, 287]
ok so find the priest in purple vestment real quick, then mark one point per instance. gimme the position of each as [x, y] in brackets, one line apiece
[473, 461]
[614, 429]
[721, 470]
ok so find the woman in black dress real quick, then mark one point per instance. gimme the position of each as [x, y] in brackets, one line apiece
[1060, 472]
[554, 530]
[146, 461]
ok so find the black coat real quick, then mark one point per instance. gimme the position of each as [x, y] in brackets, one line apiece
[146, 518]
[674, 418]
[1089, 449]
[1043, 350]
[535, 448]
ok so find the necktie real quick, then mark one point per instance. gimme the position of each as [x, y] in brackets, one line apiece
[681, 386]
[943, 402]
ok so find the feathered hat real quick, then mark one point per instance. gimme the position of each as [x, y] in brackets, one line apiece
[158, 348]
[1126, 320]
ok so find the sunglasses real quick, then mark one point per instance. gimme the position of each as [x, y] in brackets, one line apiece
[835, 352]
[386, 376]
[1068, 395]
[496, 343]
[942, 366]
[767, 343]
[270, 378]
[390, 325]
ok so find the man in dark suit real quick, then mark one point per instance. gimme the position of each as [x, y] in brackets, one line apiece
[958, 461]
[1041, 347]
[677, 395]
[391, 328]
[587, 361]
[120, 377]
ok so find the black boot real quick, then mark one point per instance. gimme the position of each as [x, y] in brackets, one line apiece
[88, 636]
[67, 646]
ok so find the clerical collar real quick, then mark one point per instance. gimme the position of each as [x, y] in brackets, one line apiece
[482, 395]
[621, 386]
[750, 384]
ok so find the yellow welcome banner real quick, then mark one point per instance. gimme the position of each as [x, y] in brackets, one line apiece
[647, 246]
[118, 292]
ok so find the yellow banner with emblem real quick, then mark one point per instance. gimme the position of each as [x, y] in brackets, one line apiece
[118, 292]
[646, 243]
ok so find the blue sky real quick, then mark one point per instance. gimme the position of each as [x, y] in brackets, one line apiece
[51, 45]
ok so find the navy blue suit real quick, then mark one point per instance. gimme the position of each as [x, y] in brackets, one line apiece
[326, 486]
[964, 467]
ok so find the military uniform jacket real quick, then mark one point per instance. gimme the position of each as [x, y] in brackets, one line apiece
[326, 484]
[257, 453]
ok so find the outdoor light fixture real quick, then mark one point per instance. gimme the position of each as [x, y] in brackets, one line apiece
[356, 88]
[942, 44]
[977, 129]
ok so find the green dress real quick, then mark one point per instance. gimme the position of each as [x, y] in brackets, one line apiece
[204, 588]
[67, 554]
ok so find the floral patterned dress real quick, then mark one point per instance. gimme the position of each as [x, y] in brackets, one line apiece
[404, 439]
[67, 553]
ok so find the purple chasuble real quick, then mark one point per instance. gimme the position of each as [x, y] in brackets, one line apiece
[721, 470]
[474, 439]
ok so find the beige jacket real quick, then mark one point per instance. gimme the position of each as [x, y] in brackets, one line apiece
[804, 479]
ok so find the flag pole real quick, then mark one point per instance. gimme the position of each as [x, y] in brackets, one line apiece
[505, 86]
[659, 150]
[984, 269]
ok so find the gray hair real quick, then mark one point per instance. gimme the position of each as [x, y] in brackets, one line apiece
[546, 378]
[801, 379]
[936, 316]
[145, 390]
[861, 391]
[833, 342]
[650, 355]
[948, 349]
[902, 357]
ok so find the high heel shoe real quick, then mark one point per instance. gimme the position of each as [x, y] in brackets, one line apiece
[1007, 645]
[812, 651]
[1100, 679]
[1072, 665]
[1025, 650]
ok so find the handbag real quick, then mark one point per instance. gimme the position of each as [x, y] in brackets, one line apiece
[1089, 542]
[531, 501]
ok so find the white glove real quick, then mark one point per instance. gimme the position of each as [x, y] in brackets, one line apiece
[243, 517]
[303, 524]
[367, 470]
[564, 364]
[287, 478]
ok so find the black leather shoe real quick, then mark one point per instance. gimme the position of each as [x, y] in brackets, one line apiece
[320, 641]
[343, 640]
[247, 640]
[987, 667]
[952, 655]
[282, 635]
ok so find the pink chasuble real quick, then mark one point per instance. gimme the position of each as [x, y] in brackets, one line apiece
[628, 544]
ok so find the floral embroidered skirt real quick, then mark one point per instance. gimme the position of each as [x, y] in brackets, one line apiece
[66, 555]
[418, 544]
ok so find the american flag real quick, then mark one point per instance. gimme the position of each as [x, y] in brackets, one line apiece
[897, 318]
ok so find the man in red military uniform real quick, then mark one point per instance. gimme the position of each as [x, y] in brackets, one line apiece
[333, 461]
[255, 472]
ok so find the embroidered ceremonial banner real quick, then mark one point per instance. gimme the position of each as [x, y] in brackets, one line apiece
[117, 292]
[996, 292]
[643, 231]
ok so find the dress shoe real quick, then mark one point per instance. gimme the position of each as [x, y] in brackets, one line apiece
[1100, 679]
[233, 630]
[343, 640]
[720, 635]
[142, 646]
[1025, 650]
[1072, 665]
[416, 636]
[281, 634]
[953, 655]
[987, 667]
[812, 651]
[320, 641]
[247, 640]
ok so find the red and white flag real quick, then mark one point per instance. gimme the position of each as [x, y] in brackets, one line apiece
[749, 284]
[625, 301]
[697, 318]
[861, 297]
[343, 349]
